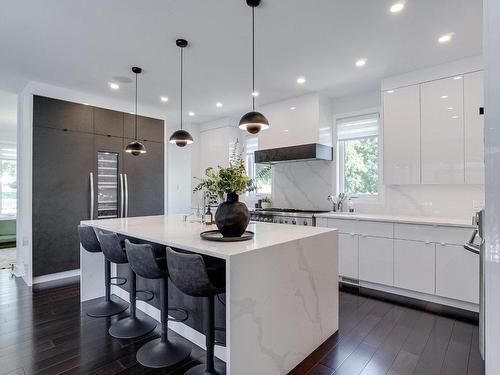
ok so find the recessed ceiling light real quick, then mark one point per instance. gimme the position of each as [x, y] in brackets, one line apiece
[164, 99]
[444, 96]
[85, 103]
[191, 113]
[293, 108]
[255, 93]
[301, 80]
[450, 108]
[390, 91]
[114, 86]
[454, 117]
[397, 7]
[286, 130]
[457, 78]
[445, 38]
[361, 62]
[218, 104]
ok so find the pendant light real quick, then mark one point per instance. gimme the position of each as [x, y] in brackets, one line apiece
[253, 122]
[181, 137]
[136, 148]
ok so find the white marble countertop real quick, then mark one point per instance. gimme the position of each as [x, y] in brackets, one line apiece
[171, 230]
[397, 219]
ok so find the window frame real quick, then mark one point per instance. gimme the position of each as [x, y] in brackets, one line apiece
[251, 171]
[360, 198]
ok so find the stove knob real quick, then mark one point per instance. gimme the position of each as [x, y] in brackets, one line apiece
[305, 222]
[281, 221]
[294, 222]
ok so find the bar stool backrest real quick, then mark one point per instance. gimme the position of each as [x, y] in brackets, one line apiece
[88, 239]
[189, 274]
[112, 248]
[143, 261]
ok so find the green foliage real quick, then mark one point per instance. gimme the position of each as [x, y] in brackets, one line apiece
[263, 175]
[227, 180]
[361, 166]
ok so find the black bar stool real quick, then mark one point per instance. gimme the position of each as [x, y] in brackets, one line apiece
[191, 276]
[132, 326]
[164, 351]
[108, 307]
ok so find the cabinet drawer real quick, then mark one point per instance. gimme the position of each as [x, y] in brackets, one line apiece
[457, 273]
[431, 233]
[362, 227]
[414, 265]
[376, 260]
[348, 255]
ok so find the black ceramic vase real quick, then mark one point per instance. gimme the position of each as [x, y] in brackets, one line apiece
[232, 217]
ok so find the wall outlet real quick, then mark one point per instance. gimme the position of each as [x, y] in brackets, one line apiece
[477, 204]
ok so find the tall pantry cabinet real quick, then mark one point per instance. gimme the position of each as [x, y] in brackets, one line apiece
[80, 171]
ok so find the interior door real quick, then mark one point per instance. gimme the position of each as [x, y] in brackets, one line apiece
[144, 176]
[108, 166]
[62, 162]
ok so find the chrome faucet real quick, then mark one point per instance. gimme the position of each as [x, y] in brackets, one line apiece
[337, 201]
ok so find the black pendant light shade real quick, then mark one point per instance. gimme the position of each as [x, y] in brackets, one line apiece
[181, 137]
[136, 148]
[253, 122]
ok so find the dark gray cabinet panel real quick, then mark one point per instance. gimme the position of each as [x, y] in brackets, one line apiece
[108, 122]
[145, 180]
[62, 161]
[148, 129]
[59, 114]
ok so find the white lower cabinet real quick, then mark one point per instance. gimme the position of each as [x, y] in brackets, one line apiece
[348, 255]
[457, 273]
[414, 265]
[376, 260]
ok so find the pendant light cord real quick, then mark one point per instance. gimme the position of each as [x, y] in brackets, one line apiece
[136, 106]
[182, 71]
[253, 59]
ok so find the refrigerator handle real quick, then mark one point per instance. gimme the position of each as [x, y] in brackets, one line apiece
[91, 177]
[126, 194]
[122, 196]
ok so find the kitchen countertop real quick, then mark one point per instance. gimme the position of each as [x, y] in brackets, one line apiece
[397, 219]
[171, 230]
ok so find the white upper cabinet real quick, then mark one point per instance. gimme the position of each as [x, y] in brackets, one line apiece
[474, 128]
[402, 136]
[442, 128]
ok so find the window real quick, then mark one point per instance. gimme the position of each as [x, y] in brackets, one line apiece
[7, 186]
[260, 173]
[358, 154]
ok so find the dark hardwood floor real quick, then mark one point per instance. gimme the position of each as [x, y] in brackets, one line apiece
[44, 331]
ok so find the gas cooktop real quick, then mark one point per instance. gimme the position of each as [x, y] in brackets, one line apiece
[288, 210]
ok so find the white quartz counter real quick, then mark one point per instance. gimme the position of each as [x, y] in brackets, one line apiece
[398, 219]
[171, 230]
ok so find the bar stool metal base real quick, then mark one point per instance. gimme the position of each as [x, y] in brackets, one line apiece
[202, 370]
[131, 328]
[106, 308]
[157, 354]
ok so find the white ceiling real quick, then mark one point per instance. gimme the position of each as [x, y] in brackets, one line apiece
[84, 44]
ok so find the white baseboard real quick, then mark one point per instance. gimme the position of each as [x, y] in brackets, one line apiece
[56, 276]
[182, 329]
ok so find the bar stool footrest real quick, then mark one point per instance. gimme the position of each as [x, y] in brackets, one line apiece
[179, 320]
[147, 293]
[120, 281]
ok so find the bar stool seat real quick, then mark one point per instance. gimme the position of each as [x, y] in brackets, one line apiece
[190, 275]
[108, 307]
[164, 351]
[132, 326]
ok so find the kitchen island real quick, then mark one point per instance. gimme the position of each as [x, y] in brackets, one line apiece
[281, 287]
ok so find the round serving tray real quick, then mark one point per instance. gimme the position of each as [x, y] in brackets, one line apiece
[215, 235]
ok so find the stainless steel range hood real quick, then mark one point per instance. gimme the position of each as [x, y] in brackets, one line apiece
[308, 152]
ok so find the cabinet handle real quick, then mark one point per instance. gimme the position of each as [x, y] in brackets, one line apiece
[443, 243]
[126, 194]
[91, 178]
[122, 196]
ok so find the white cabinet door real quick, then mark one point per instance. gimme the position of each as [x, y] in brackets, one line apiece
[414, 265]
[457, 273]
[442, 130]
[376, 260]
[401, 136]
[474, 128]
[348, 255]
